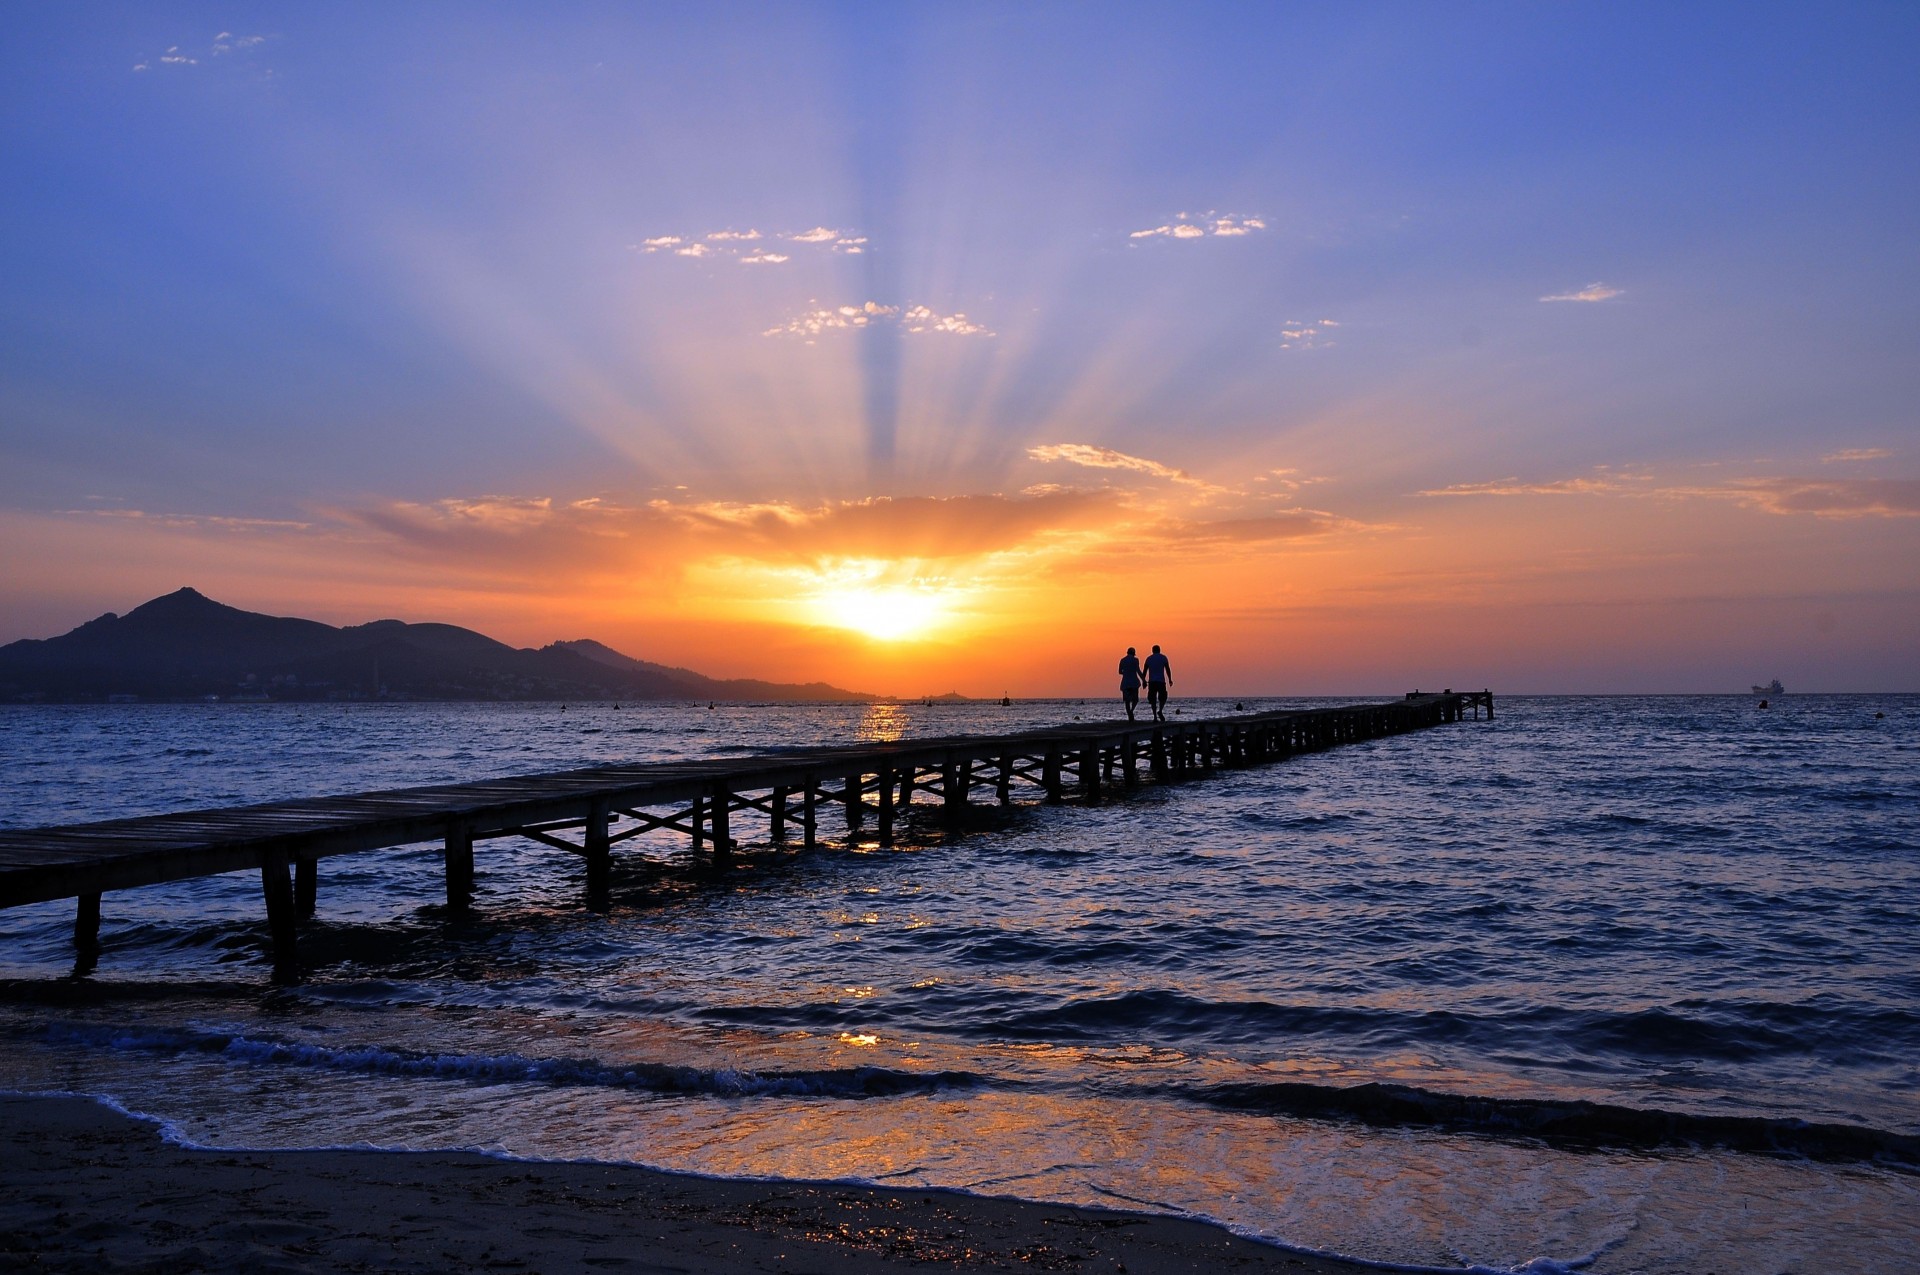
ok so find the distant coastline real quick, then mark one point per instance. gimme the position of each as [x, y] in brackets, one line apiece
[184, 647]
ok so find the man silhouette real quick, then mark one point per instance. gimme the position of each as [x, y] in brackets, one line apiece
[1130, 681]
[1159, 678]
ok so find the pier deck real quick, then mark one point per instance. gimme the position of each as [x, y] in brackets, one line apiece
[589, 812]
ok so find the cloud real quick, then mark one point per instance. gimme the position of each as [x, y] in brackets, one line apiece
[914, 318]
[1290, 524]
[1822, 498]
[919, 318]
[212, 522]
[1856, 453]
[741, 244]
[1602, 485]
[534, 537]
[1201, 225]
[1818, 497]
[223, 44]
[1295, 335]
[1592, 292]
[1106, 458]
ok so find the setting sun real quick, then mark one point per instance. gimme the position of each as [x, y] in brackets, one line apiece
[887, 613]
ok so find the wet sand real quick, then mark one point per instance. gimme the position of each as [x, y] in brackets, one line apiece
[83, 1188]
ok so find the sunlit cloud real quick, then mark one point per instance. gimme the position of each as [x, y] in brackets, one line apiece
[1091, 457]
[1855, 453]
[1296, 335]
[1201, 225]
[1592, 292]
[742, 244]
[914, 318]
[1601, 484]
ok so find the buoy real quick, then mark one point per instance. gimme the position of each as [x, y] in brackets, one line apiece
[1763, 703]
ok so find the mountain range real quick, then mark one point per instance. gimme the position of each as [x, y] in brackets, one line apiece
[186, 646]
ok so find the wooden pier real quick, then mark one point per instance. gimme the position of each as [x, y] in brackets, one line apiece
[587, 813]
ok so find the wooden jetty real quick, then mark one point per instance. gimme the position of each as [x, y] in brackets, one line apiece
[589, 812]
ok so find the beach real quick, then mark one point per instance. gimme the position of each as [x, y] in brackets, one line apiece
[87, 1188]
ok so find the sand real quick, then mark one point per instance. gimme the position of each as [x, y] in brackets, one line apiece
[84, 1188]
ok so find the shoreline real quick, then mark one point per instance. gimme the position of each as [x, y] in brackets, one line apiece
[86, 1187]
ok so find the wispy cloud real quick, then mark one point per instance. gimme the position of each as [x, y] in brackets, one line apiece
[198, 522]
[1818, 497]
[1822, 498]
[1295, 335]
[914, 318]
[742, 245]
[1855, 453]
[1592, 292]
[1601, 484]
[1201, 226]
[224, 44]
[1092, 457]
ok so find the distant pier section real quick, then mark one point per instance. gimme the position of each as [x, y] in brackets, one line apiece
[588, 813]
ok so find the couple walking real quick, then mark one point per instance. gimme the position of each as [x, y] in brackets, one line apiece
[1158, 675]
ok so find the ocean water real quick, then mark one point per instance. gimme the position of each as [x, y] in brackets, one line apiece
[1615, 984]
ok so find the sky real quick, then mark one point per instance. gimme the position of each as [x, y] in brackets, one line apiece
[925, 347]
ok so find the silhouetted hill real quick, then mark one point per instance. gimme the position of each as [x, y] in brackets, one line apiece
[187, 646]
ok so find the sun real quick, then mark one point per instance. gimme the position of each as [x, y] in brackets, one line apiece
[886, 613]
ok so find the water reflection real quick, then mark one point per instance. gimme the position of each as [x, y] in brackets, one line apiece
[883, 723]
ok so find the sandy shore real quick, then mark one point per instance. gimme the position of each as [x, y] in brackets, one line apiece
[83, 1188]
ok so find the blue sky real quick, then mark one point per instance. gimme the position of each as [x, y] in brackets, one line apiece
[326, 268]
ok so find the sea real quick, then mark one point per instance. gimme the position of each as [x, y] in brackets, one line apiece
[1612, 984]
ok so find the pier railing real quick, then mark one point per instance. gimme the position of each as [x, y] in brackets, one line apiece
[587, 813]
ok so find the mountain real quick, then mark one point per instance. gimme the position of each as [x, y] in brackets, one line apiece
[187, 646]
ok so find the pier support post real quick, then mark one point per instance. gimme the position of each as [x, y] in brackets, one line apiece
[777, 820]
[1488, 696]
[809, 812]
[722, 828]
[1090, 773]
[1003, 790]
[856, 808]
[1129, 758]
[86, 934]
[887, 780]
[277, 885]
[459, 866]
[1050, 774]
[599, 856]
[697, 820]
[953, 783]
[1157, 756]
[306, 887]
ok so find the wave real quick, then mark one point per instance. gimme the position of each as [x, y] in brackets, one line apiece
[1571, 1124]
[726, 1082]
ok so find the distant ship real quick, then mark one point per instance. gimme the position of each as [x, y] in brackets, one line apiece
[1771, 688]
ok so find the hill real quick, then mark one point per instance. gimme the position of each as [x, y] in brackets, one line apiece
[186, 646]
